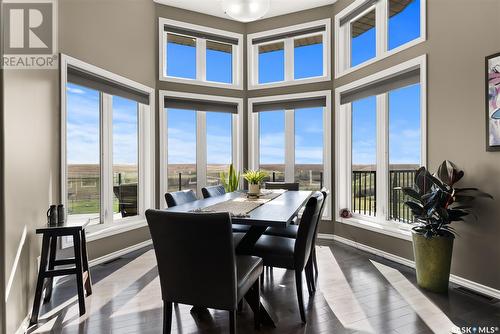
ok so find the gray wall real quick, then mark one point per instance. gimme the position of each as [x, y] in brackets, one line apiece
[121, 36]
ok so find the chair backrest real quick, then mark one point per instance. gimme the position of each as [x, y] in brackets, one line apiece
[282, 185]
[213, 191]
[180, 197]
[127, 198]
[307, 228]
[325, 193]
[196, 259]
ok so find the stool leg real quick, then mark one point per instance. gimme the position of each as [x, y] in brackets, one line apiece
[39, 283]
[79, 271]
[88, 280]
[52, 258]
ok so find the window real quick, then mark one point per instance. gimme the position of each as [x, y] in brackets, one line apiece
[288, 138]
[83, 152]
[291, 55]
[201, 136]
[380, 142]
[308, 57]
[125, 157]
[271, 62]
[363, 39]
[106, 165]
[272, 144]
[200, 55]
[367, 31]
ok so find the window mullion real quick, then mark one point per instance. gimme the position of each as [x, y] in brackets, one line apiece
[382, 157]
[201, 150]
[289, 145]
[381, 17]
[289, 59]
[106, 158]
[254, 141]
[201, 59]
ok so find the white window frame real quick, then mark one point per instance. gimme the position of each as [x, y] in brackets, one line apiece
[343, 35]
[201, 157]
[201, 51]
[253, 137]
[253, 54]
[380, 222]
[146, 141]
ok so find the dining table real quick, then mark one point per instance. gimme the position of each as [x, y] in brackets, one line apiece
[279, 211]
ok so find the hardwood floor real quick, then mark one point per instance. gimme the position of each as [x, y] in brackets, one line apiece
[357, 293]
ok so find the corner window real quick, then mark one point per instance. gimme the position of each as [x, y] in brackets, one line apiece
[106, 171]
[380, 140]
[200, 55]
[290, 55]
[367, 31]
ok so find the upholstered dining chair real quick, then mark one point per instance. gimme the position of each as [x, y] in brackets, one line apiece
[291, 232]
[197, 264]
[294, 254]
[213, 191]
[282, 185]
[219, 191]
[180, 197]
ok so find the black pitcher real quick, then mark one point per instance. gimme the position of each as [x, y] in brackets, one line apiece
[52, 215]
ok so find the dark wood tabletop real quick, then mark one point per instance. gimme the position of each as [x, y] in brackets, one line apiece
[277, 212]
[68, 227]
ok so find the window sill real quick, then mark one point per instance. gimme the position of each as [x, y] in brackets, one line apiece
[288, 83]
[390, 229]
[100, 231]
[386, 54]
[201, 83]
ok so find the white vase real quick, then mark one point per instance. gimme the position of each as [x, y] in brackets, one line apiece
[253, 189]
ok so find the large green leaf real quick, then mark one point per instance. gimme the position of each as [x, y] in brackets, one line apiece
[412, 193]
[449, 173]
[474, 192]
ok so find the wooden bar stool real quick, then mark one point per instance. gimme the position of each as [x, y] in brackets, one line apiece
[49, 262]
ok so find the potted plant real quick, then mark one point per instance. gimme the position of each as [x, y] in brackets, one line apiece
[435, 203]
[231, 180]
[254, 178]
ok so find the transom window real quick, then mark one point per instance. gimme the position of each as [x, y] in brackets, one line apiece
[200, 55]
[289, 138]
[290, 55]
[105, 161]
[201, 137]
[380, 142]
[370, 30]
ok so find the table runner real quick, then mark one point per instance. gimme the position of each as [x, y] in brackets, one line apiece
[242, 205]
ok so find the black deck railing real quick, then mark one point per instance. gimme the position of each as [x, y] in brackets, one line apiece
[364, 193]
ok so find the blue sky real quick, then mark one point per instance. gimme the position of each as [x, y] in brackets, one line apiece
[404, 115]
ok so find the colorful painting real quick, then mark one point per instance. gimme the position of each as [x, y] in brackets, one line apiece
[493, 102]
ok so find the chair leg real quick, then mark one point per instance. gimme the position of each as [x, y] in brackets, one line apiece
[167, 317]
[315, 262]
[309, 278]
[232, 322]
[240, 306]
[298, 283]
[256, 300]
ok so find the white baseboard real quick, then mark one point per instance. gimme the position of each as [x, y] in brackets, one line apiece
[485, 290]
[118, 253]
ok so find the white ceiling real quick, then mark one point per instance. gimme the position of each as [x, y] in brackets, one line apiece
[277, 7]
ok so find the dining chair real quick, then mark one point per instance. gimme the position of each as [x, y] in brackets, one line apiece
[291, 232]
[213, 191]
[294, 254]
[219, 191]
[197, 264]
[180, 197]
[282, 185]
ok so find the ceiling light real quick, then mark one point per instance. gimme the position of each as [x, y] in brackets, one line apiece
[245, 10]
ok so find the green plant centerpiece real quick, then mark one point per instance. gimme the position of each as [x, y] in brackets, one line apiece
[230, 180]
[436, 203]
[254, 178]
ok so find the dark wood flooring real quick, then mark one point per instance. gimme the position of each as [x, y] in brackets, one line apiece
[357, 293]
